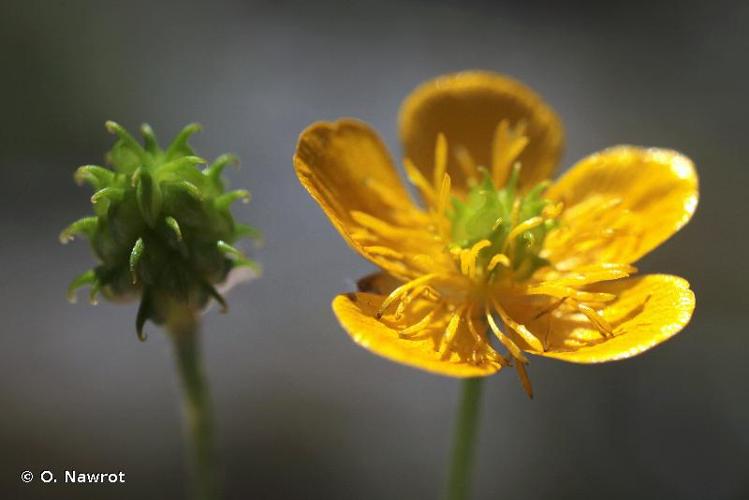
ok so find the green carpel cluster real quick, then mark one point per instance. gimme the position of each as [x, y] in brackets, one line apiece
[488, 213]
[162, 227]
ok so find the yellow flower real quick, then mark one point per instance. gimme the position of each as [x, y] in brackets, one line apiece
[496, 250]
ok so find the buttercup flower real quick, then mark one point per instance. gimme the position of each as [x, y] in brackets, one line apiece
[496, 249]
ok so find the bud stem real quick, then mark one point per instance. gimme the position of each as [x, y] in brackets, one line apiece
[184, 330]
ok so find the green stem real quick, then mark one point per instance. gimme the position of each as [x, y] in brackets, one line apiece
[461, 464]
[197, 407]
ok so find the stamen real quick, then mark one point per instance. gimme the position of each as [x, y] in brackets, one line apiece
[481, 341]
[547, 311]
[406, 300]
[464, 255]
[417, 179]
[507, 145]
[472, 328]
[440, 160]
[518, 328]
[468, 258]
[515, 211]
[422, 323]
[465, 162]
[506, 341]
[598, 321]
[551, 308]
[498, 259]
[475, 250]
[449, 335]
[398, 292]
[524, 380]
[443, 198]
[524, 226]
[401, 308]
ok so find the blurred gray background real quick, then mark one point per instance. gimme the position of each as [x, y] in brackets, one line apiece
[303, 412]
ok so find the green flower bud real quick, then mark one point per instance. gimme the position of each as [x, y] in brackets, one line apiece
[162, 229]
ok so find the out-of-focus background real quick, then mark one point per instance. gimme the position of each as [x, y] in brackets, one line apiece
[302, 412]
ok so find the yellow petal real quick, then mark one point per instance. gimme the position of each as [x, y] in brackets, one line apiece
[468, 108]
[648, 310]
[378, 283]
[356, 313]
[347, 170]
[621, 203]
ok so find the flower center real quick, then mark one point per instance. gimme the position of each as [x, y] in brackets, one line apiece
[501, 232]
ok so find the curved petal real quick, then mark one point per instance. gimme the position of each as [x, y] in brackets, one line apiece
[620, 204]
[347, 170]
[378, 283]
[357, 314]
[647, 311]
[467, 108]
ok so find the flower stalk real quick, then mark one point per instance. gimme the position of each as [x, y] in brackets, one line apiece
[163, 232]
[464, 444]
[185, 333]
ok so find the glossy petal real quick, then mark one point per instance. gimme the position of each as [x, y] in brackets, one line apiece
[620, 204]
[347, 170]
[378, 283]
[357, 314]
[648, 310]
[468, 107]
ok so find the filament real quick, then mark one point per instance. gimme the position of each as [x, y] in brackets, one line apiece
[506, 341]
